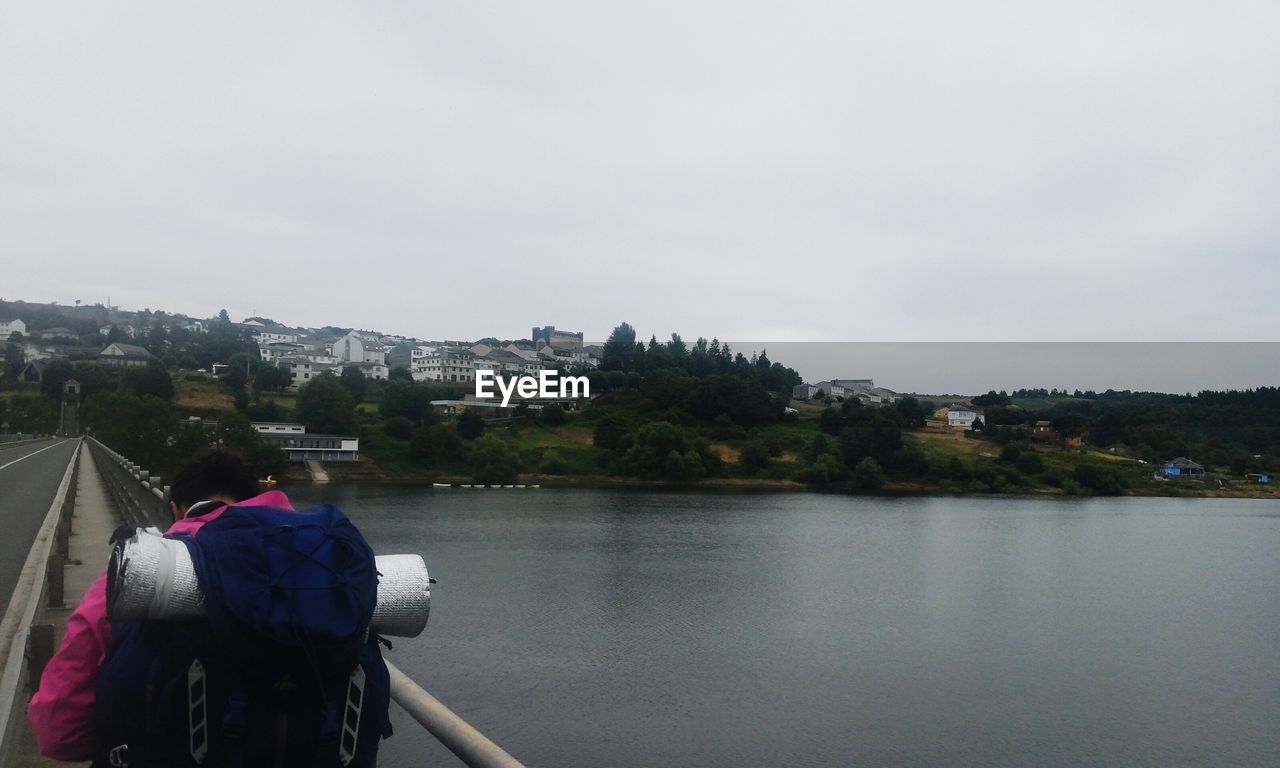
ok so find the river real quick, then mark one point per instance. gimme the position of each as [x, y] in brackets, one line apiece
[625, 628]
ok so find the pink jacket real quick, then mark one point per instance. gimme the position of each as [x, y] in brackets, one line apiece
[61, 712]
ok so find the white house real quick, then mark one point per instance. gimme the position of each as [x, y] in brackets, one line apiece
[349, 348]
[376, 371]
[57, 333]
[124, 355]
[276, 335]
[31, 353]
[302, 370]
[961, 416]
[273, 352]
[12, 326]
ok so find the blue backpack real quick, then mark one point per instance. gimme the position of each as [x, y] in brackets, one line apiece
[283, 672]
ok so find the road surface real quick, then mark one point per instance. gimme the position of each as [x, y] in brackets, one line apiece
[29, 478]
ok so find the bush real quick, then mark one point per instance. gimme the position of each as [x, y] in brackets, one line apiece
[609, 430]
[470, 425]
[1100, 479]
[1030, 463]
[399, 427]
[754, 457]
[553, 464]
[493, 461]
[868, 476]
[553, 415]
[435, 445]
[827, 468]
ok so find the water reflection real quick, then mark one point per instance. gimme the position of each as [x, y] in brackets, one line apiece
[585, 628]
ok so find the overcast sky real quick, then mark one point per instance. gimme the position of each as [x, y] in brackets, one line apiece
[774, 171]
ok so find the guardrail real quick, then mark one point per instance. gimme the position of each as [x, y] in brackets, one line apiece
[143, 501]
[41, 578]
[139, 497]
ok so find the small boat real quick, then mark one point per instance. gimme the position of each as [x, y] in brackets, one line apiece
[441, 485]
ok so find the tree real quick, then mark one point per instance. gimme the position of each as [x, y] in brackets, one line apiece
[138, 427]
[619, 349]
[470, 425]
[493, 461]
[32, 413]
[868, 475]
[754, 457]
[150, 379]
[56, 373]
[272, 378]
[398, 427]
[609, 431]
[435, 445]
[223, 317]
[400, 373]
[354, 381]
[326, 407]
[910, 412]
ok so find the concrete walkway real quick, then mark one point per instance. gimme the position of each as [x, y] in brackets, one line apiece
[93, 520]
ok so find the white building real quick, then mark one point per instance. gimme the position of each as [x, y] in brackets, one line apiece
[300, 446]
[376, 371]
[961, 416]
[278, 428]
[449, 364]
[276, 335]
[124, 355]
[349, 348]
[273, 352]
[302, 370]
[12, 326]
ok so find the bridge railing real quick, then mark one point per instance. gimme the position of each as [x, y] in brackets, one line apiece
[25, 647]
[143, 501]
[140, 497]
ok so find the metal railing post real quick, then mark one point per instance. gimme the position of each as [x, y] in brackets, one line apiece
[39, 652]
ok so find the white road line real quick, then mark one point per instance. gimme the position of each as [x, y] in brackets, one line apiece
[33, 453]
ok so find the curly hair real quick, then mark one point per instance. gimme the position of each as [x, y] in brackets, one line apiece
[216, 473]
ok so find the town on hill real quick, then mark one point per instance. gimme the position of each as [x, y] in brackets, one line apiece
[365, 405]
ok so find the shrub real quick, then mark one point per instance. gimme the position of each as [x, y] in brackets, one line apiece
[399, 427]
[754, 457]
[868, 476]
[470, 425]
[553, 415]
[493, 461]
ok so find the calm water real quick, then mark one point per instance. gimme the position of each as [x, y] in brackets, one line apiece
[614, 628]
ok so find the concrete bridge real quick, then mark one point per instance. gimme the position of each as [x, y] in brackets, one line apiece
[60, 500]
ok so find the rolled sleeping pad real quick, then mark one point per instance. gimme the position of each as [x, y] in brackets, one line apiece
[151, 577]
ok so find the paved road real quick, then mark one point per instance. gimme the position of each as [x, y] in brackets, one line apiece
[29, 478]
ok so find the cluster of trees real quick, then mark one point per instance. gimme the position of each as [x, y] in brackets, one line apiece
[623, 354]
[865, 444]
[1235, 429]
[148, 430]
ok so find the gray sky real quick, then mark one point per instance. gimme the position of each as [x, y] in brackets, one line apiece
[775, 171]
